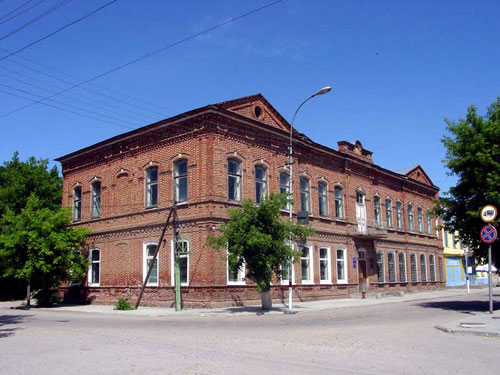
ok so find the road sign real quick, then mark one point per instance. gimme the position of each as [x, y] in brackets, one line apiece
[489, 213]
[488, 234]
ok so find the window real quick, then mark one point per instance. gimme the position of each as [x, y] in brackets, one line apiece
[429, 223]
[95, 267]
[360, 197]
[445, 237]
[304, 195]
[380, 267]
[388, 213]
[399, 216]
[423, 268]
[376, 208]
[413, 268]
[181, 181]
[391, 265]
[77, 203]
[233, 180]
[339, 203]
[324, 265]
[306, 264]
[402, 267]
[411, 227]
[453, 240]
[341, 266]
[432, 266]
[152, 187]
[420, 220]
[285, 185]
[95, 204]
[181, 248]
[260, 183]
[285, 268]
[440, 265]
[148, 255]
[322, 197]
[235, 277]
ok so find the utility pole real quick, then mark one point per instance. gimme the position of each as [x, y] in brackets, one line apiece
[177, 265]
[490, 284]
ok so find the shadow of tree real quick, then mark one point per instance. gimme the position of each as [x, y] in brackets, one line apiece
[10, 320]
[462, 306]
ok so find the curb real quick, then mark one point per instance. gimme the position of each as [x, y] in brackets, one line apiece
[464, 332]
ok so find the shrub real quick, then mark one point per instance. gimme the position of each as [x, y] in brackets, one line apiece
[123, 304]
[46, 298]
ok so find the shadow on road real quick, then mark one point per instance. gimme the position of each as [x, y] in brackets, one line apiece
[10, 320]
[461, 306]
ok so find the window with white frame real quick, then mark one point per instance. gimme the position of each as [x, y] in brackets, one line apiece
[182, 249]
[285, 271]
[399, 216]
[285, 185]
[423, 268]
[429, 223]
[391, 266]
[149, 249]
[341, 266]
[324, 265]
[432, 267]
[151, 187]
[260, 183]
[453, 240]
[95, 203]
[380, 267]
[411, 226]
[339, 203]
[181, 180]
[77, 203]
[306, 264]
[413, 268]
[376, 208]
[94, 267]
[322, 198]
[440, 265]
[445, 237]
[235, 276]
[233, 180]
[388, 213]
[305, 195]
[402, 267]
[420, 220]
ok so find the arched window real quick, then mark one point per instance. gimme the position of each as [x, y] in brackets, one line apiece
[181, 180]
[322, 198]
[151, 187]
[77, 203]
[339, 203]
[305, 203]
[411, 226]
[94, 267]
[233, 180]
[402, 267]
[376, 209]
[391, 265]
[413, 268]
[95, 204]
[399, 216]
[429, 222]
[432, 267]
[285, 185]
[423, 268]
[420, 220]
[260, 183]
[388, 213]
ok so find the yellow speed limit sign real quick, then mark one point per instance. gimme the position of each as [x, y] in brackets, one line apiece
[489, 213]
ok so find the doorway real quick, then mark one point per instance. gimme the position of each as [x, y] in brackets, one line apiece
[361, 211]
[362, 274]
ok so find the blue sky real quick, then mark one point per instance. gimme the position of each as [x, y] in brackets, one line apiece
[397, 69]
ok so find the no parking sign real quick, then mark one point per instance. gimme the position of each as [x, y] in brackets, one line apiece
[488, 234]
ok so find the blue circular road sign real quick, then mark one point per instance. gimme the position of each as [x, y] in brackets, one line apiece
[488, 234]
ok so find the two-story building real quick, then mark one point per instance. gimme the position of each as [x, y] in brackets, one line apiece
[373, 228]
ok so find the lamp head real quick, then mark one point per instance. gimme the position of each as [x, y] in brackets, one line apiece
[324, 90]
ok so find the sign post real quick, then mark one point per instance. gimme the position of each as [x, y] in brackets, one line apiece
[489, 235]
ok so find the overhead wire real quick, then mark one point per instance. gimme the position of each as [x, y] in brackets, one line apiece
[22, 12]
[15, 10]
[193, 36]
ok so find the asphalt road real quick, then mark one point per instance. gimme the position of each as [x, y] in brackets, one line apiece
[396, 338]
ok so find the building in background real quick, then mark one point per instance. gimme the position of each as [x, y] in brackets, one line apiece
[373, 226]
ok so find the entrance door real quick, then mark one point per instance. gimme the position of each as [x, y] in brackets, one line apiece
[362, 270]
[361, 211]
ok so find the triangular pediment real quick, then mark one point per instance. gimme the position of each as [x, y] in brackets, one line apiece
[417, 173]
[257, 108]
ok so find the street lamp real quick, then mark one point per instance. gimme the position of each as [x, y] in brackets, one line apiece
[323, 91]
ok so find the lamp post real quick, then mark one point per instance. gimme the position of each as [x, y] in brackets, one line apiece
[324, 90]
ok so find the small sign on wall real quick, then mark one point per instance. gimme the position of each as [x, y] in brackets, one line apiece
[354, 262]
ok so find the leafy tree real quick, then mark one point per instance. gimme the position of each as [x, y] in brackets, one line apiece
[258, 236]
[473, 155]
[38, 247]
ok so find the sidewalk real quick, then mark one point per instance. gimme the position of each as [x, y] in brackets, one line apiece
[278, 308]
[478, 324]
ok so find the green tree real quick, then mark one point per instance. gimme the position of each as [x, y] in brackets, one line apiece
[259, 237]
[473, 155]
[38, 247]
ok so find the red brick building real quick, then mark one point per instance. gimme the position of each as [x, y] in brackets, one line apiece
[372, 224]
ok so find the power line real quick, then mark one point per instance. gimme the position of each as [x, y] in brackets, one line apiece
[22, 12]
[15, 10]
[58, 30]
[37, 18]
[149, 54]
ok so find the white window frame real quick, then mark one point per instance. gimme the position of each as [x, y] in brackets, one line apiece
[265, 189]
[377, 210]
[237, 176]
[420, 219]
[147, 184]
[328, 260]
[145, 263]
[378, 266]
[95, 204]
[432, 267]
[240, 275]
[178, 177]
[77, 204]
[172, 261]
[323, 197]
[339, 201]
[286, 281]
[429, 222]
[388, 213]
[307, 195]
[414, 269]
[90, 281]
[411, 218]
[399, 216]
[337, 260]
[311, 265]
[393, 266]
[423, 267]
[285, 189]
[401, 280]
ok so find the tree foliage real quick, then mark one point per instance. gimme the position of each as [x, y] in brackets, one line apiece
[473, 155]
[259, 237]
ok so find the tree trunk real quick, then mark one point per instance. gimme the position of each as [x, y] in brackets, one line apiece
[28, 296]
[266, 300]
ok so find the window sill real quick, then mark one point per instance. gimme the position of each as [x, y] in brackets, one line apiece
[325, 282]
[344, 282]
[236, 283]
[151, 208]
[93, 285]
[307, 282]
